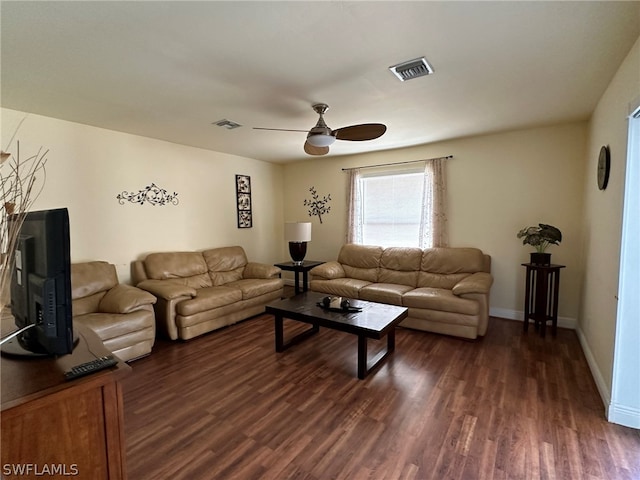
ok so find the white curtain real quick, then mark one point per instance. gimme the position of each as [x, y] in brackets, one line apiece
[433, 228]
[354, 216]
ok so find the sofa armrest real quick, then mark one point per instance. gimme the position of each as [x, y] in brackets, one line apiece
[125, 299]
[260, 270]
[167, 289]
[138, 273]
[328, 271]
[479, 282]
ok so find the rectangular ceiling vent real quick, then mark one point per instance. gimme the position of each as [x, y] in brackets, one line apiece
[412, 69]
[228, 124]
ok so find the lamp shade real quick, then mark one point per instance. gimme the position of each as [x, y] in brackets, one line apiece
[297, 231]
[321, 140]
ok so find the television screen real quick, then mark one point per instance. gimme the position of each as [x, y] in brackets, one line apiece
[41, 285]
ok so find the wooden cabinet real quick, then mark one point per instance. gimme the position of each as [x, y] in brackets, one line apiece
[72, 428]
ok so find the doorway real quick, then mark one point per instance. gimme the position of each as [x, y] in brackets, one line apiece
[625, 390]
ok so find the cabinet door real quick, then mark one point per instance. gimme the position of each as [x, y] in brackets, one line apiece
[67, 432]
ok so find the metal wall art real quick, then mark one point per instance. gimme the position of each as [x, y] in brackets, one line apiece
[243, 196]
[317, 206]
[151, 194]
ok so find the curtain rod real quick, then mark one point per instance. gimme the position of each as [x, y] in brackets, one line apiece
[398, 163]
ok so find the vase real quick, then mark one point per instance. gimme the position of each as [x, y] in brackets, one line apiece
[540, 258]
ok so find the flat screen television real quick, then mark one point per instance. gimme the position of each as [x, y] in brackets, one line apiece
[41, 286]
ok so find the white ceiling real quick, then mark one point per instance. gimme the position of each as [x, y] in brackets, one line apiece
[168, 70]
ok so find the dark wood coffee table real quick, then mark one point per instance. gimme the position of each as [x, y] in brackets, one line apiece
[374, 321]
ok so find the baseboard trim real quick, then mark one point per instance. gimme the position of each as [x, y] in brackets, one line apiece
[623, 415]
[564, 322]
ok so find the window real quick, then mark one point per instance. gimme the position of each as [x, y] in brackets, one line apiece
[397, 207]
[392, 208]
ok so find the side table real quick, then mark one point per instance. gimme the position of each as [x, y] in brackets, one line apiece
[541, 296]
[303, 268]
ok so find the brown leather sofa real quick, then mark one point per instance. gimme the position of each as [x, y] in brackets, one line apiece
[121, 315]
[445, 289]
[199, 292]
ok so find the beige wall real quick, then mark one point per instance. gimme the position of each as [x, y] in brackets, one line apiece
[88, 167]
[603, 220]
[497, 184]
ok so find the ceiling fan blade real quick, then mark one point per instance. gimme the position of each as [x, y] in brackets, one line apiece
[280, 129]
[357, 133]
[311, 150]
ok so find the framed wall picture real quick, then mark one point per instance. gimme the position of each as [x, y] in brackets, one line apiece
[243, 201]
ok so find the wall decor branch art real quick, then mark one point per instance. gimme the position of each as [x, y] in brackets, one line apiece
[243, 197]
[317, 206]
[151, 194]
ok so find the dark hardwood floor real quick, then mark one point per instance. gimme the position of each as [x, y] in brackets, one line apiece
[510, 406]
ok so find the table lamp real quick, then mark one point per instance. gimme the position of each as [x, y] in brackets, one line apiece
[297, 234]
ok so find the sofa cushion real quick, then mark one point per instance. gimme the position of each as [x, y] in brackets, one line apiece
[116, 325]
[384, 293]
[89, 278]
[341, 287]
[452, 260]
[439, 280]
[225, 264]
[209, 298]
[439, 299]
[400, 265]
[479, 282]
[84, 305]
[187, 268]
[252, 288]
[125, 299]
[327, 271]
[445, 267]
[261, 270]
[360, 261]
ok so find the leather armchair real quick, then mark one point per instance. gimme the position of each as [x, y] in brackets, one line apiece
[121, 315]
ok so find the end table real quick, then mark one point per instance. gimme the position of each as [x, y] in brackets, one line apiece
[541, 296]
[303, 268]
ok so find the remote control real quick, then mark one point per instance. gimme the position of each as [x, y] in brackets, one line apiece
[90, 367]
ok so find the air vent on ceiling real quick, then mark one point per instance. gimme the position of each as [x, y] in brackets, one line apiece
[228, 124]
[412, 69]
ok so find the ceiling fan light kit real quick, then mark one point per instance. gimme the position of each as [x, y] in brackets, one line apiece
[320, 137]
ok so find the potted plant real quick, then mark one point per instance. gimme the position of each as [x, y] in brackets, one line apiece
[540, 237]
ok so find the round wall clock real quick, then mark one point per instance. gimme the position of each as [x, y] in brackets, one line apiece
[604, 164]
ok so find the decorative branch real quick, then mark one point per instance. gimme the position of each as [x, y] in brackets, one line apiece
[21, 182]
[151, 194]
[318, 206]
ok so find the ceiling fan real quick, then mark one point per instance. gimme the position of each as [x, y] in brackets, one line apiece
[320, 137]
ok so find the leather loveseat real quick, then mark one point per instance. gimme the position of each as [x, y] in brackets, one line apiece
[445, 289]
[121, 315]
[199, 292]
